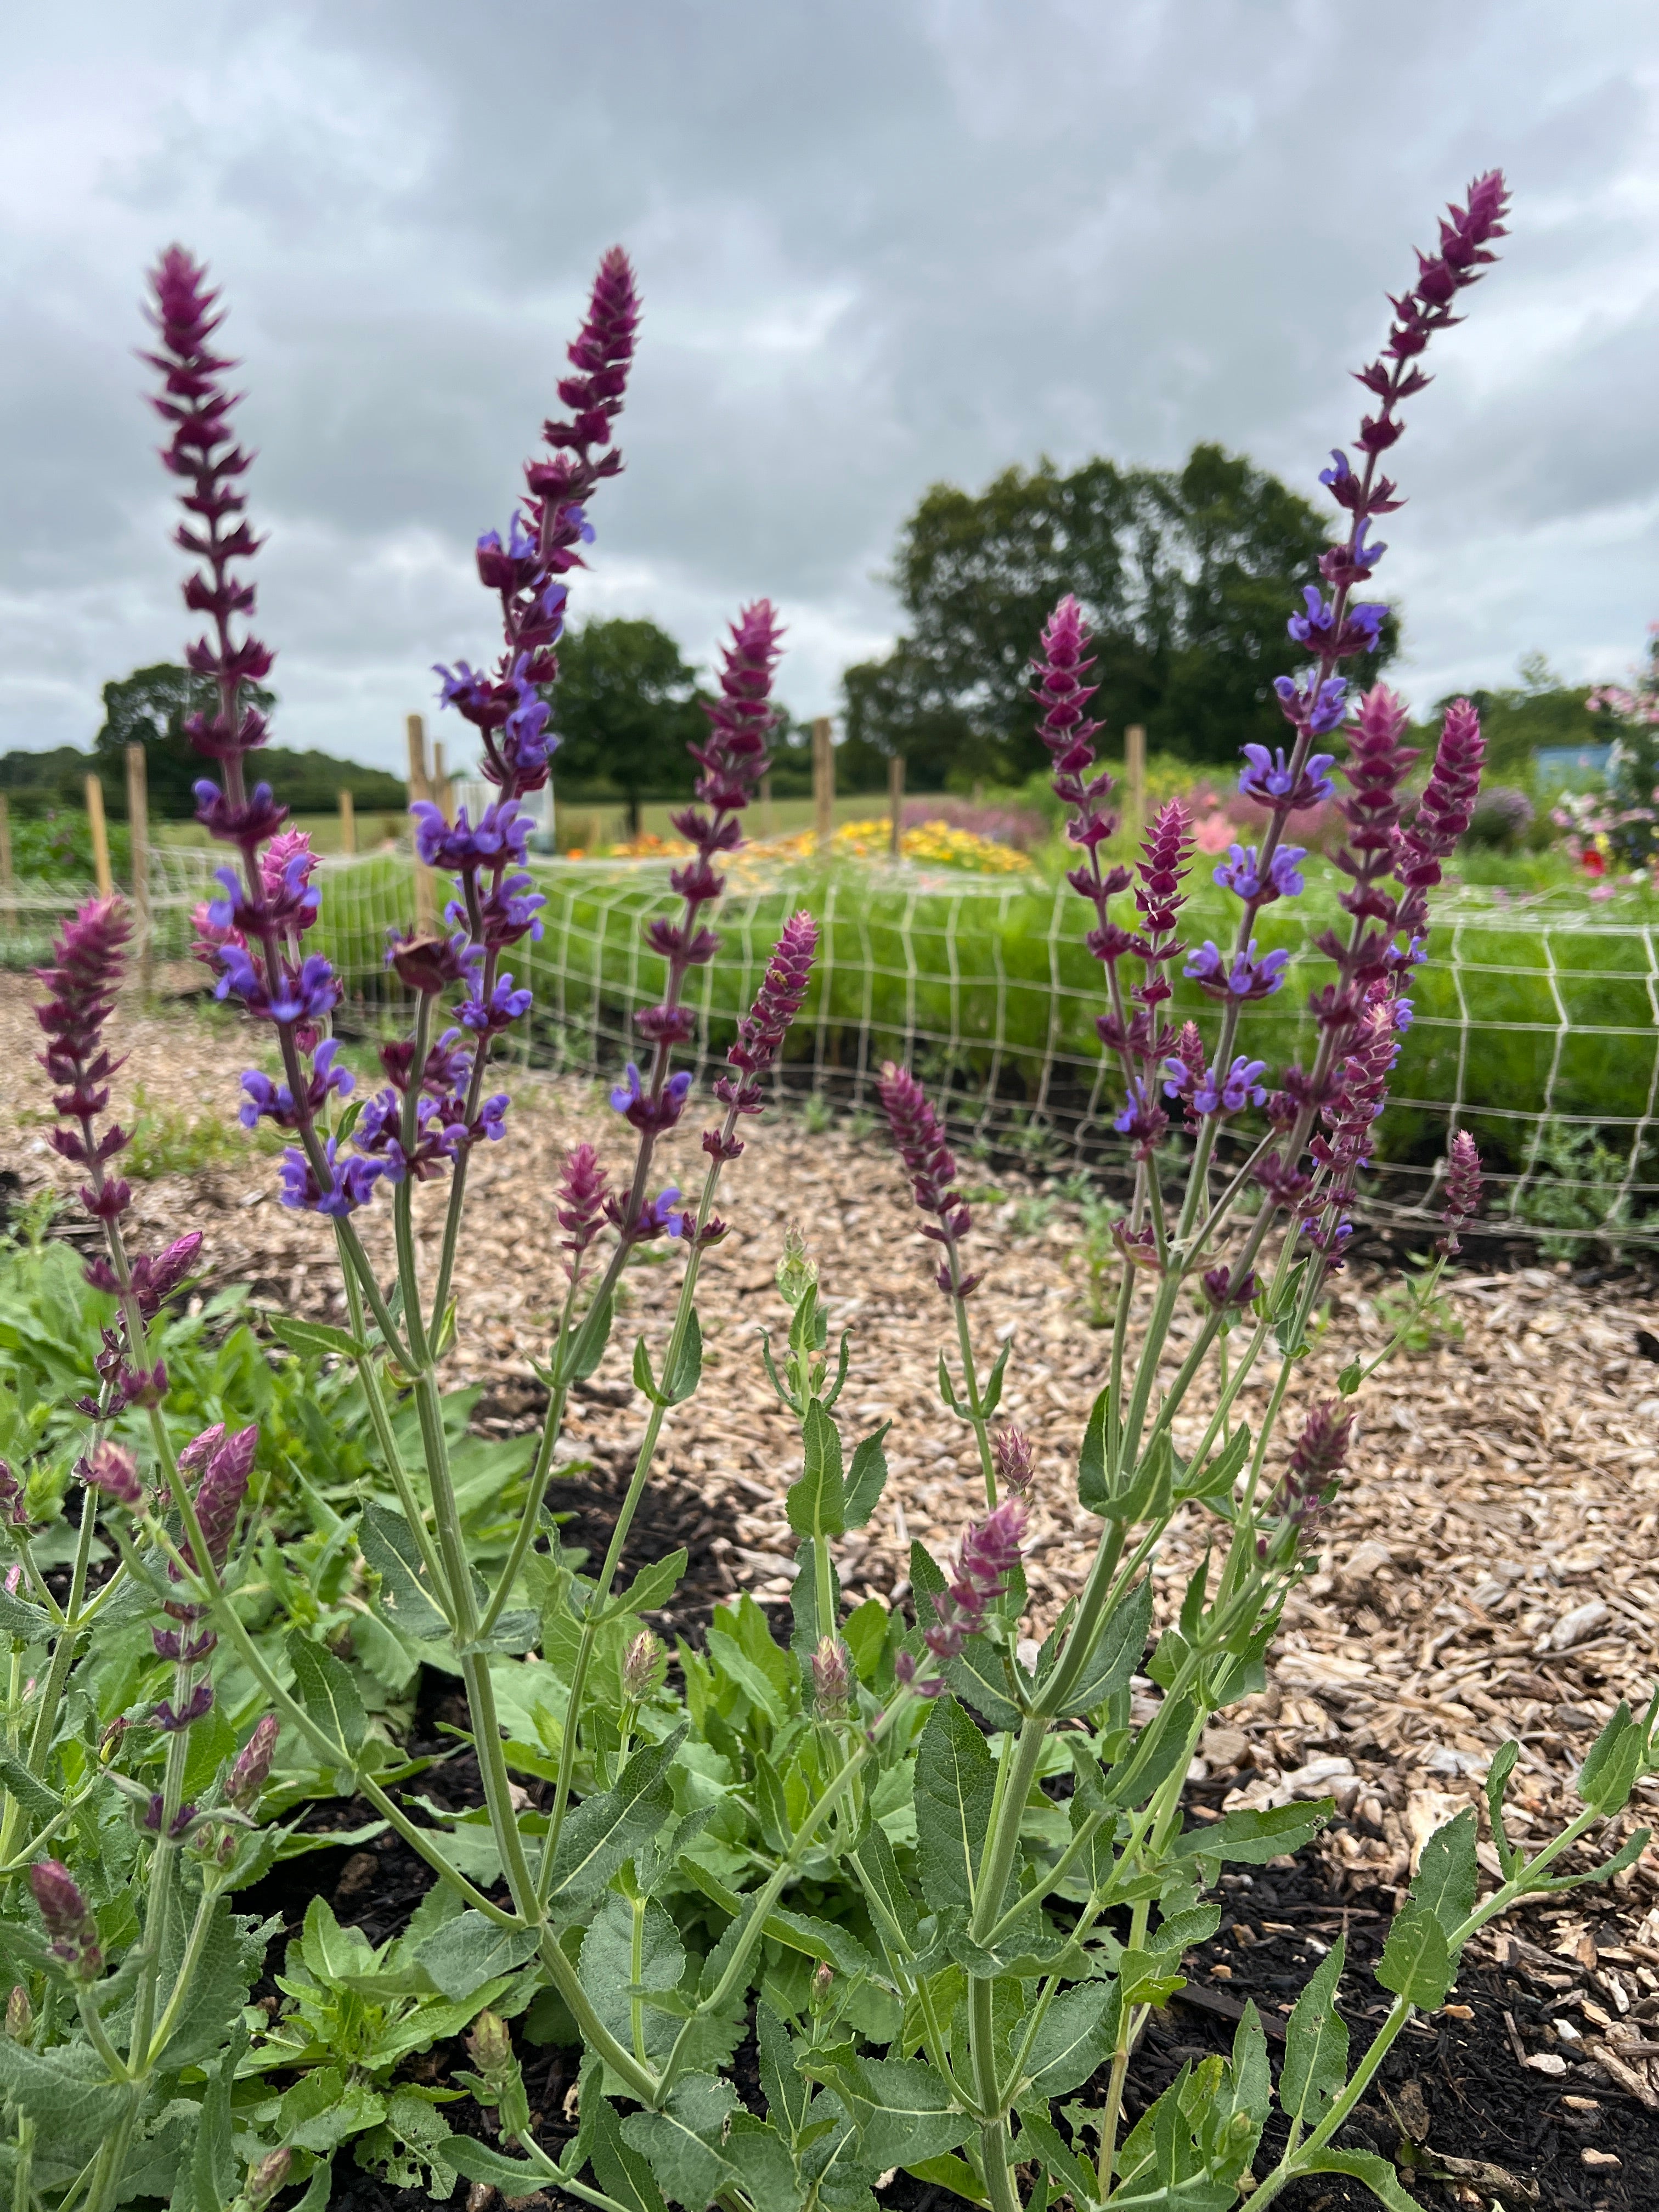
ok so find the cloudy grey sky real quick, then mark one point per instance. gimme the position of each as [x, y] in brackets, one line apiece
[880, 242]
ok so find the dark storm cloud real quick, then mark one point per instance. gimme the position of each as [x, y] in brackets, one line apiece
[881, 243]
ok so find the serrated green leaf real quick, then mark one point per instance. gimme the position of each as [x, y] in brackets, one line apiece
[902, 2110]
[39, 1801]
[606, 1967]
[867, 1479]
[683, 2142]
[468, 1950]
[326, 1689]
[324, 2109]
[1216, 1475]
[687, 1367]
[787, 2091]
[1091, 1488]
[593, 1334]
[954, 1784]
[609, 1827]
[653, 1587]
[1247, 1838]
[816, 1503]
[1416, 1963]
[1116, 1656]
[20, 1621]
[313, 1339]
[476, 2161]
[1447, 1873]
[624, 2173]
[1077, 2030]
[1378, 2175]
[864, 1633]
[1498, 1779]
[1315, 2044]
[65, 2090]
[406, 1596]
[880, 1870]
[1612, 1763]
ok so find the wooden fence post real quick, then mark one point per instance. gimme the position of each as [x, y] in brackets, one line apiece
[348, 824]
[896, 805]
[7, 901]
[443, 792]
[1134, 770]
[420, 787]
[138, 846]
[823, 784]
[100, 838]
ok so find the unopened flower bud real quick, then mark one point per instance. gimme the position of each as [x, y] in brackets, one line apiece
[639, 1666]
[796, 1273]
[248, 1777]
[490, 2044]
[265, 2177]
[111, 1467]
[1011, 1451]
[823, 1975]
[20, 2015]
[73, 1930]
[831, 1681]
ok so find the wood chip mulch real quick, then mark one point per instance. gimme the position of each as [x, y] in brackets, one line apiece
[1489, 1570]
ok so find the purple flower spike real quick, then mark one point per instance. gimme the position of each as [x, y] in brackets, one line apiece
[197, 1706]
[989, 1554]
[578, 1206]
[920, 1142]
[1447, 805]
[760, 1032]
[1268, 779]
[251, 1770]
[1462, 1189]
[111, 1467]
[87, 960]
[634, 1102]
[1011, 1449]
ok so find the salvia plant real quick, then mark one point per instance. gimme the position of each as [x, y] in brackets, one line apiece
[937, 1872]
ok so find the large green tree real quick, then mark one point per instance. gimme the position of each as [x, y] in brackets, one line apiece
[148, 708]
[1186, 575]
[625, 708]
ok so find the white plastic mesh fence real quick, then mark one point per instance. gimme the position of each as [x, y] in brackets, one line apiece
[1537, 1027]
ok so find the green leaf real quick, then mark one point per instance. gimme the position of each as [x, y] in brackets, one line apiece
[954, 1789]
[991, 1397]
[653, 1587]
[815, 1504]
[902, 2110]
[1498, 1780]
[606, 1967]
[978, 1675]
[687, 1367]
[476, 2161]
[1091, 1458]
[1612, 1763]
[468, 1951]
[788, 2094]
[323, 2109]
[66, 2090]
[867, 1479]
[1351, 1378]
[327, 1692]
[1447, 1873]
[1416, 1963]
[880, 1869]
[20, 1621]
[947, 1390]
[683, 2140]
[1251, 1839]
[1315, 2044]
[314, 1339]
[609, 1827]
[807, 1629]
[624, 2173]
[1077, 2030]
[226, 1968]
[38, 1801]
[1116, 1656]
[1378, 2174]
[644, 1381]
[1217, 1476]
[864, 1633]
[407, 1598]
[591, 1336]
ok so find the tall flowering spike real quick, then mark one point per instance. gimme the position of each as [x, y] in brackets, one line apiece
[1462, 1189]
[111, 1467]
[919, 1139]
[832, 1679]
[223, 1487]
[1374, 768]
[543, 542]
[1011, 1449]
[1320, 1453]
[83, 979]
[204, 454]
[1447, 806]
[988, 1554]
[781, 997]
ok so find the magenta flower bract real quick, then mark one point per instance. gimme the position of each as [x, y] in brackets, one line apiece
[760, 1032]
[1462, 1189]
[919, 1136]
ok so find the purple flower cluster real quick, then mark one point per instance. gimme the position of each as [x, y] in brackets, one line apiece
[989, 1554]
[760, 1032]
[919, 1140]
[69, 1926]
[1462, 1189]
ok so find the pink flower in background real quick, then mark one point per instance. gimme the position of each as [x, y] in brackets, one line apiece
[1214, 834]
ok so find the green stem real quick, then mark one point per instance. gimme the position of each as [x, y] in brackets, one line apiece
[976, 1410]
[175, 2004]
[380, 1421]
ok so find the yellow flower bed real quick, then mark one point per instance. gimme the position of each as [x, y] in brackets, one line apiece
[935, 842]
